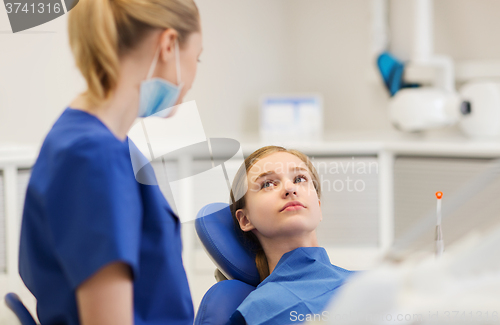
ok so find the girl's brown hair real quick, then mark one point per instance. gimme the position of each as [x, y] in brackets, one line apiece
[239, 189]
[101, 31]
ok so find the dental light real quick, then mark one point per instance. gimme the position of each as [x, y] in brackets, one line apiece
[476, 107]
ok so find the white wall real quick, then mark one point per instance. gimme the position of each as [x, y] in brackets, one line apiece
[330, 44]
[468, 29]
[244, 55]
[258, 47]
[37, 79]
[250, 48]
[463, 29]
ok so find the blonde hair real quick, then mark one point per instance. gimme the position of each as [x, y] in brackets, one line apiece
[239, 189]
[101, 31]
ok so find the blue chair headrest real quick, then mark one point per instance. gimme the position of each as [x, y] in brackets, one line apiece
[16, 305]
[216, 230]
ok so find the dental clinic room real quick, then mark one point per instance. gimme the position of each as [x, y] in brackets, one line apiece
[279, 162]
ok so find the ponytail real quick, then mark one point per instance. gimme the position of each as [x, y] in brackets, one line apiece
[101, 31]
[95, 47]
[262, 264]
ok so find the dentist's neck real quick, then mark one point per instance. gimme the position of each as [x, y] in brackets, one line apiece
[274, 248]
[120, 111]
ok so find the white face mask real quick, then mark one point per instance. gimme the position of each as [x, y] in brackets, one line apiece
[158, 96]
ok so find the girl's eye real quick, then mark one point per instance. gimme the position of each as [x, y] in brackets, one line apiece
[301, 177]
[266, 183]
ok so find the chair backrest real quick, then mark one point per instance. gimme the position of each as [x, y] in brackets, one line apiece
[221, 301]
[16, 305]
[215, 228]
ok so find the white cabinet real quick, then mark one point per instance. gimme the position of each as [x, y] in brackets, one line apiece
[349, 201]
[14, 176]
[475, 203]
[21, 182]
[3, 239]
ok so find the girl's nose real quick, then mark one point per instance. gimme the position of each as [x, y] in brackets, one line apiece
[290, 188]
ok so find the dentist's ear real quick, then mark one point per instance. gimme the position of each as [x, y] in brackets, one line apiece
[167, 43]
[245, 223]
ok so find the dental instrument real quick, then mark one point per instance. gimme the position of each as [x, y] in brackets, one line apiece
[439, 231]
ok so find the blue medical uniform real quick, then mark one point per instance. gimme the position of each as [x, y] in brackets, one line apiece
[85, 209]
[299, 288]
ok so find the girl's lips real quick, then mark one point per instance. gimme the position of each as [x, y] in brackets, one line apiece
[292, 204]
[293, 207]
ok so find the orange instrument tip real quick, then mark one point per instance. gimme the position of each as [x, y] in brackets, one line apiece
[439, 195]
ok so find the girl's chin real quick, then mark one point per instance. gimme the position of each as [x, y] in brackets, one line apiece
[297, 227]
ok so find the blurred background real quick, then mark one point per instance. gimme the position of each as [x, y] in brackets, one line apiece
[253, 48]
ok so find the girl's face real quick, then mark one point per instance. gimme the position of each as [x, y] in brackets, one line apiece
[281, 200]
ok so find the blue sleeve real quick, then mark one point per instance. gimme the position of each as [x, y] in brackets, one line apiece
[94, 209]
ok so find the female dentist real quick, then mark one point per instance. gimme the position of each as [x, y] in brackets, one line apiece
[97, 247]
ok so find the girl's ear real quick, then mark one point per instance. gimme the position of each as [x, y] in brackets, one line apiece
[245, 223]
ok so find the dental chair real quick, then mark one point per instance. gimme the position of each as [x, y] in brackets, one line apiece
[236, 272]
[15, 304]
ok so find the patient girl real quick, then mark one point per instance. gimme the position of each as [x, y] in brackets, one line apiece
[277, 212]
